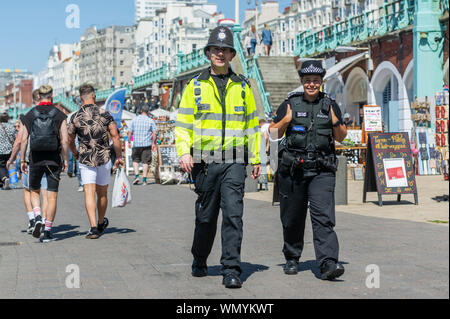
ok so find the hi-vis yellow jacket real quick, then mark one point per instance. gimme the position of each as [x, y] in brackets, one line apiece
[205, 123]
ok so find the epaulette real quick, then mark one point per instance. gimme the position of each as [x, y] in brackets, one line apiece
[294, 93]
[243, 78]
[193, 77]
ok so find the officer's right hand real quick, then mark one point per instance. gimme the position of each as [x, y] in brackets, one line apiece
[187, 163]
[288, 116]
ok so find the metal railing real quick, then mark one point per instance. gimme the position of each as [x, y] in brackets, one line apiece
[104, 94]
[151, 77]
[250, 68]
[254, 73]
[67, 102]
[390, 17]
[191, 61]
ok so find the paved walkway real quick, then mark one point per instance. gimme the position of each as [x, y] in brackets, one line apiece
[145, 253]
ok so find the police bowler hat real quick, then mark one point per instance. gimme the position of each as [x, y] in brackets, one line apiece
[312, 67]
[220, 37]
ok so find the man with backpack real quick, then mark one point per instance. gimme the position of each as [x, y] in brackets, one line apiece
[46, 127]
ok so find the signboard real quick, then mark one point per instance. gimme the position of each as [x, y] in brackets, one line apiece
[389, 168]
[167, 155]
[373, 121]
[354, 135]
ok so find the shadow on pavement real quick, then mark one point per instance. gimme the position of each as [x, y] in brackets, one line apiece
[312, 266]
[111, 230]
[248, 269]
[65, 231]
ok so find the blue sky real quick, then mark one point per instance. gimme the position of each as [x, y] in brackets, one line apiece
[28, 28]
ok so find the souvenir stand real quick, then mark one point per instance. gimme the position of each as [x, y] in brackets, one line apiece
[430, 134]
[165, 163]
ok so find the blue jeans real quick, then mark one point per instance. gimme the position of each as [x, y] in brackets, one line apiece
[253, 42]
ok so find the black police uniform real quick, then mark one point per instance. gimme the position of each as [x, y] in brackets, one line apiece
[306, 175]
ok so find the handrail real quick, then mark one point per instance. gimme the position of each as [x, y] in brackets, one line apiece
[191, 61]
[67, 102]
[254, 73]
[443, 4]
[104, 94]
[389, 17]
[151, 77]
[237, 29]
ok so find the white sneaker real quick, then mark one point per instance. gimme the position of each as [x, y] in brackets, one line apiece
[80, 189]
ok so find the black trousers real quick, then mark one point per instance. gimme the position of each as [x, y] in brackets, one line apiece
[219, 186]
[295, 195]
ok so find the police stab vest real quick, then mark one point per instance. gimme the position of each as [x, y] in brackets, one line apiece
[311, 128]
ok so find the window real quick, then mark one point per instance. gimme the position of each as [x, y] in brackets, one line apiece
[121, 41]
[121, 62]
[162, 49]
[121, 51]
[194, 47]
[121, 73]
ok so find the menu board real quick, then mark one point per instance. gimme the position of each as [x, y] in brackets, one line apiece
[167, 155]
[373, 119]
[389, 168]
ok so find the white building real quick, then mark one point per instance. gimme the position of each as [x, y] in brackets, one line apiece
[147, 8]
[179, 27]
[302, 15]
[59, 69]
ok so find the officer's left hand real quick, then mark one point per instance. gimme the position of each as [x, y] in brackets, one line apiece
[256, 171]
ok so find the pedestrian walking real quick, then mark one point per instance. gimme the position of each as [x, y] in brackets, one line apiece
[306, 175]
[217, 134]
[7, 136]
[253, 39]
[267, 39]
[143, 129]
[46, 127]
[25, 179]
[92, 125]
[248, 43]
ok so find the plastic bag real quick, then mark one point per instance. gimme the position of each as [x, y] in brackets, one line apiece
[121, 195]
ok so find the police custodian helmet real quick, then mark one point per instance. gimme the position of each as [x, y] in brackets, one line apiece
[221, 37]
[312, 67]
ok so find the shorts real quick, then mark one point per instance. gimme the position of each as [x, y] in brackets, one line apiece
[26, 183]
[142, 155]
[100, 176]
[52, 173]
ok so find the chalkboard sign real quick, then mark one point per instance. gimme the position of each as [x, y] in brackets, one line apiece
[167, 155]
[389, 168]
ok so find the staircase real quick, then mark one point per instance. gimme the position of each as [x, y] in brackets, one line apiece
[280, 77]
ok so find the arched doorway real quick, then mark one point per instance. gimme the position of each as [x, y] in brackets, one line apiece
[357, 93]
[391, 94]
[335, 89]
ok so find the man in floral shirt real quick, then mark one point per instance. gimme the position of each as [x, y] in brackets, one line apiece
[93, 127]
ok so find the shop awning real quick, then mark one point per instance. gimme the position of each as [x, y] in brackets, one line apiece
[342, 65]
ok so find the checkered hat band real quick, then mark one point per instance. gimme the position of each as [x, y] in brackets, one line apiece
[311, 69]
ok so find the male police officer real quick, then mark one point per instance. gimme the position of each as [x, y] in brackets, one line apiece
[217, 134]
[311, 121]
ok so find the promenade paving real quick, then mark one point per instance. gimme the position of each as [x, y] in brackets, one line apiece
[145, 252]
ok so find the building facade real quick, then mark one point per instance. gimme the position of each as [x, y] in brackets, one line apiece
[106, 56]
[22, 90]
[179, 27]
[147, 8]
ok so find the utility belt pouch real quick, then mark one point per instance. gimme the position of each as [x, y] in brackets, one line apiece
[286, 162]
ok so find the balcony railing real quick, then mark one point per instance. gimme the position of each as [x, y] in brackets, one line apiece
[151, 77]
[104, 94]
[67, 102]
[191, 61]
[390, 17]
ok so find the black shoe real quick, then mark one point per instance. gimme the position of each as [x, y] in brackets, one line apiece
[93, 233]
[47, 237]
[291, 267]
[37, 227]
[199, 269]
[232, 281]
[30, 226]
[331, 270]
[101, 227]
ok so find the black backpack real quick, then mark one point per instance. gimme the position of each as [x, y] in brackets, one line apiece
[44, 135]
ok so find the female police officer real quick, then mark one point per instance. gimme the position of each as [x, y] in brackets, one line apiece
[310, 121]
